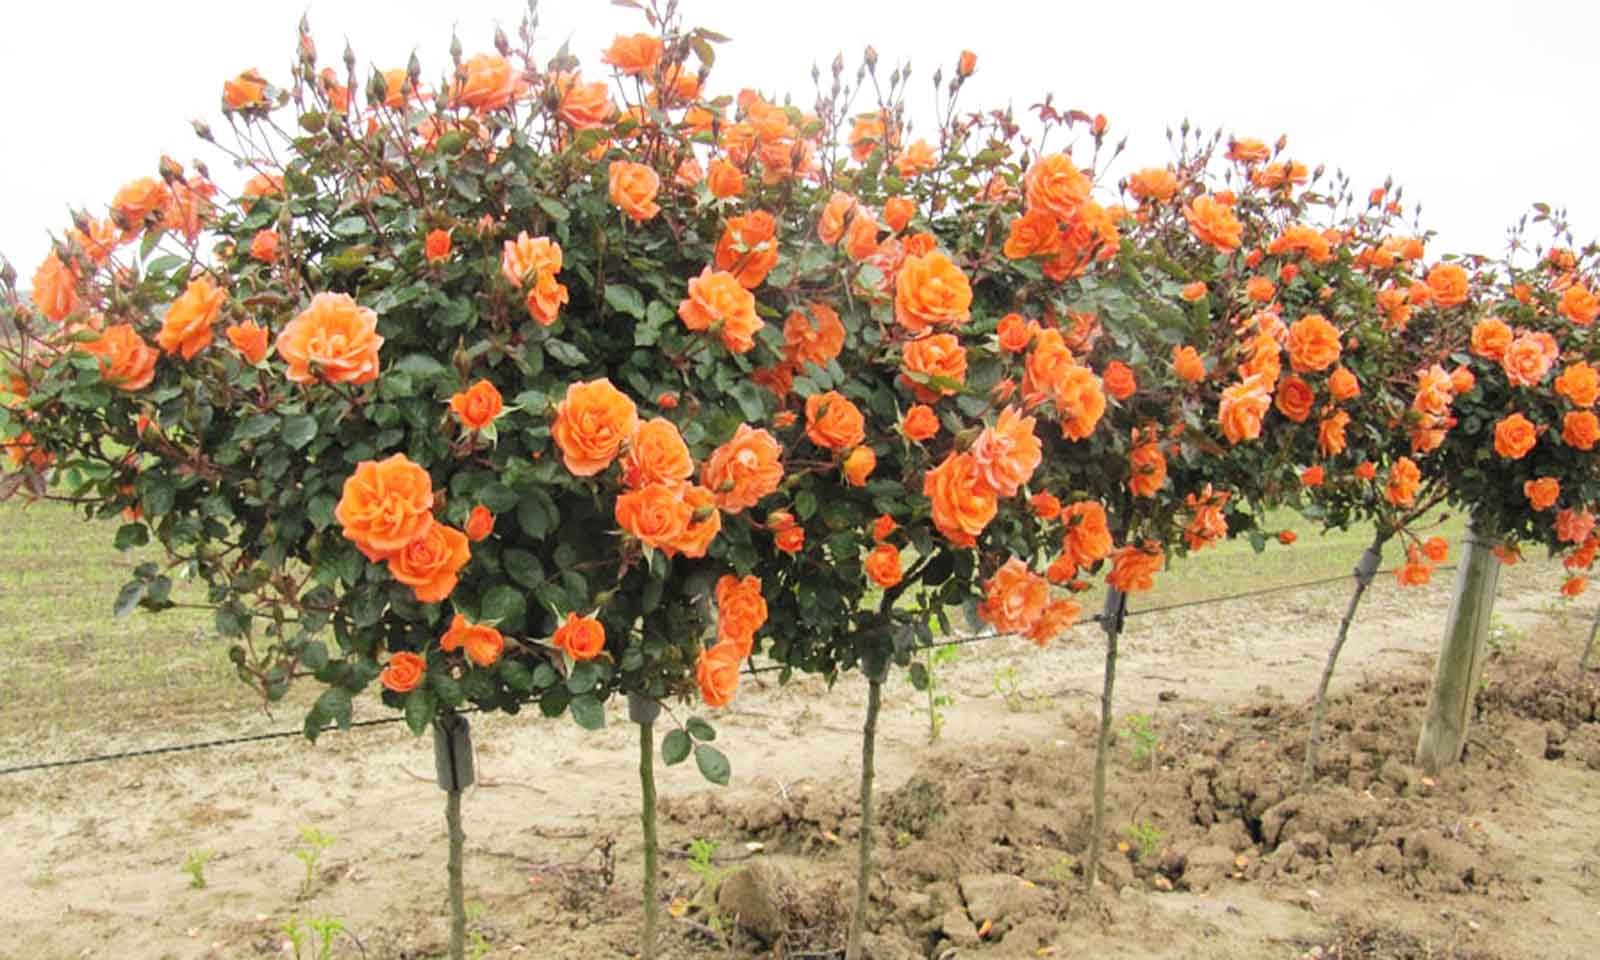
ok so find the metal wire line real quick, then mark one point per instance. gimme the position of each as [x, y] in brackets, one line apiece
[769, 668]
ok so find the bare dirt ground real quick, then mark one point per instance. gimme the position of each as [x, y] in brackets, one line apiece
[982, 835]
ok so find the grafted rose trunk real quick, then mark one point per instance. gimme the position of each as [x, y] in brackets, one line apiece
[1116, 609]
[869, 736]
[452, 756]
[644, 711]
[1365, 570]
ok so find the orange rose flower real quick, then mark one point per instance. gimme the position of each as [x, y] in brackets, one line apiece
[1574, 586]
[1088, 539]
[1414, 572]
[1260, 289]
[1034, 234]
[788, 535]
[478, 405]
[1119, 381]
[634, 54]
[931, 290]
[403, 673]
[585, 106]
[483, 643]
[1436, 549]
[1014, 598]
[1580, 384]
[705, 522]
[1214, 224]
[1447, 285]
[1079, 401]
[816, 339]
[1404, 479]
[656, 454]
[431, 563]
[485, 82]
[745, 469]
[334, 340]
[883, 565]
[1188, 366]
[858, 466]
[1343, 385]
[250, 340]
[1045, 506]
[1312, 476]
[718, 297]
[830, 226]
[1528, 358]
[915, 159]
[592, 424]
[1247, 151]
[1287, 537]
[633, 189]
[749, 248]
[1061, 570]
[963, 504]
[1313, 344]
[741, 611]
[384, 505]
[883, 527]
[920, 423]
[1059, 615]
[1579, 305]
[1133, 568]
[1514, 436]
[1542, 493]
[861, 237]
[1490, 338]
[898, 211]
[55, 289]
[1147, 469]
[581, 638]
[656, 514]
[248, 89]
[187, 327]
[136, 201]
[480, 523]
[1008, 453]
[1192, 291]
[1366, 470]
[1015, 333]
[1330, 434]
[724, 180]
[1242, 407]
[1574, 526]
[1153, 184]
[126, 361]
[1579, 429]
[833, 422]
[966, 63]
[437, 245]
[1294, 399]
[717, 672]
[937, 356]
[264, 246]
[1056, 186]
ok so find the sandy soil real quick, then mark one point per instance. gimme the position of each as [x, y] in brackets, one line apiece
[983, 832]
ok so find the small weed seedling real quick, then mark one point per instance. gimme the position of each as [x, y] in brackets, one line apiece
[478, 948]
[1008, 683]
[326, 928]
[194, 864]
[1063, 871]
[937, 700]
[1146, 743]
[300, 936]
[702, 866]
[312, 844]
[1503, 637]
[1146, 837]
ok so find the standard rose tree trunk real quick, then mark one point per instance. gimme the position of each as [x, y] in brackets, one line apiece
[1116, 610]
[452, 757]
[643, 712]
[869, 735]
[1365, 570]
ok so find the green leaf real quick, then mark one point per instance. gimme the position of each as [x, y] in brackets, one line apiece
[131, 535]
[565, 353]
[256, 427]
[335, 704]
[503, 603]
[657, 316]
[128, 597]
[350, 227]
[584, 677]
[421, 706]
[713, 765]
[625, 299]
[314, 656]
[448, 689]
[700, 730]
[675, 748]
[516, 675]
[299, 430]
[588, 712]
[554, 208]
[421, 365]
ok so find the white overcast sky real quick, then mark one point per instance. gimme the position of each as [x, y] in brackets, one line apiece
[1479, 107]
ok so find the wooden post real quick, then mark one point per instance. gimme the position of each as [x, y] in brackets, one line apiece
[1460, 664]
[1588, 648]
